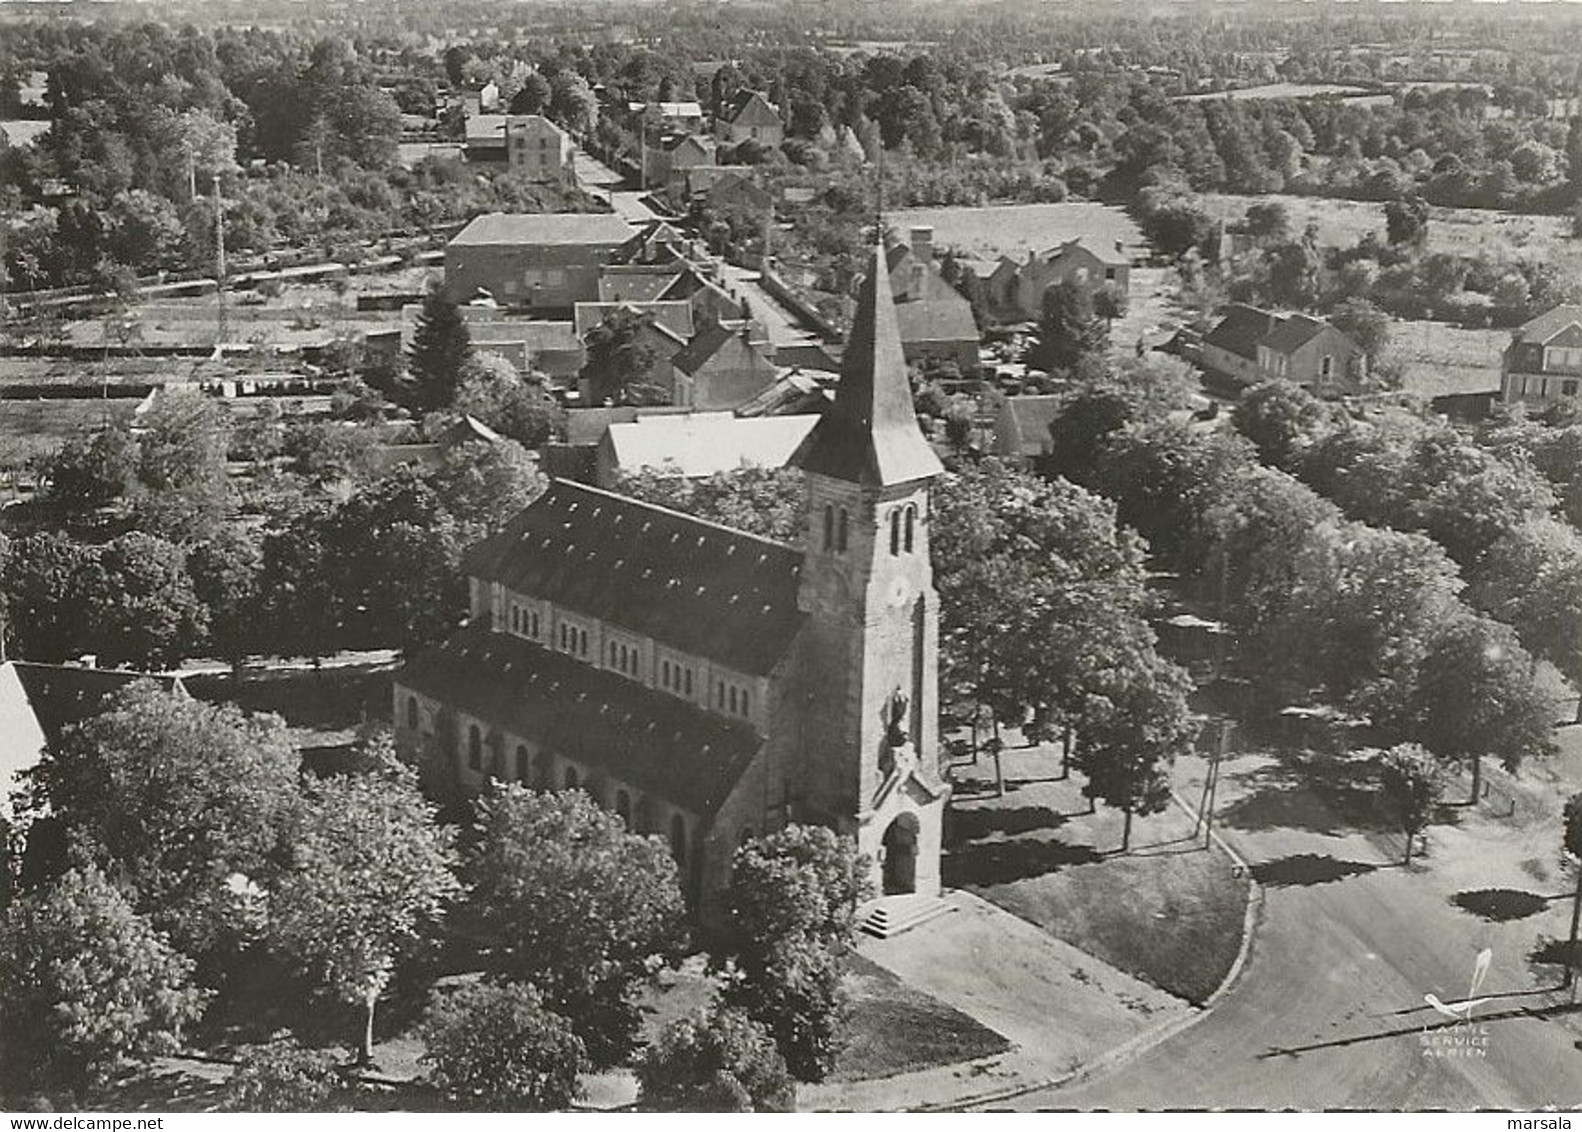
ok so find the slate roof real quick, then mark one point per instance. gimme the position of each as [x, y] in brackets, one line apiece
[936, 320]
[673, 316]
[544, 228]
[1241, 330]
[749, 108]
[1028, 418]
[1293, 332]
[653, 741]
[486, 129]
[696, 586]
[707, 343]
[586, 427]
[870, 434]
[1541, 329]
[636, 283]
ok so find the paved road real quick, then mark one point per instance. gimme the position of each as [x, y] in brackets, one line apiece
[784, 328]
[1330, 1011]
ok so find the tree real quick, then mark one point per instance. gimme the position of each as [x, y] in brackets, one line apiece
[1268, 220]
[395, 554]
[1281, 419]
[517, 407]
[1365, 324]
[573, 903]
[620, 361]
[572, 103]
[771, 502]
[370, 872]
[790, 911]
[175, 796]
[1131, 737]
[1531, 579]
[45, 577]
[281, 1075]
[1070, 333]
[1406, 220]
[1412, 781]
[1474, 694]
[486, 484]
[87, 474]
[225, 573]
[441, 348]
[145, 610]
[89, 983]
[722, 1061]
[495, 1047]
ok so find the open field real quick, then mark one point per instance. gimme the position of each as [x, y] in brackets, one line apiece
[1270, 92]
[1016, 229]
[1437, 359]
[1457, 231]
[33, 429]
[1040, 855]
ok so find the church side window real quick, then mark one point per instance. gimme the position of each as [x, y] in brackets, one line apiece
[474, 747]
[411, 712]
[678, 838]
[524, 764]
[535, 626]
[516, 619]
[895, 532]
[841, 530]
[911, 526]
[687, 674]
[829, 527]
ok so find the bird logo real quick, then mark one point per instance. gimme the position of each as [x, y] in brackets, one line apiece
[1462, 1011]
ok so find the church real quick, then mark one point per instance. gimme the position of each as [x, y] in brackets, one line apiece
[707, 684]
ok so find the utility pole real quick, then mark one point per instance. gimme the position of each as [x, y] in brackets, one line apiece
[219, 260]
[1211, 785]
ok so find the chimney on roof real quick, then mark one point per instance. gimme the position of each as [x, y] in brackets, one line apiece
[923, 242]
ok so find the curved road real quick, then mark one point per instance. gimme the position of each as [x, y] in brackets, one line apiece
[1329, 1010]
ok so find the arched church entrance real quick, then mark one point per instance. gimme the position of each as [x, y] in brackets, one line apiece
[900, 856]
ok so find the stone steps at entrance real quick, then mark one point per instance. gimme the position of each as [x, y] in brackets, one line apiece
[891, 915]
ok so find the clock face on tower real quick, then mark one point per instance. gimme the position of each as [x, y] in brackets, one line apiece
[898, 592]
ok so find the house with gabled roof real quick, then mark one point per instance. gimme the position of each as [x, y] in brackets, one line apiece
[936, 320]
[720, 368]
[1543, 363]
[540, 260]
[1249, 345]
[749, 116]
[706, 684]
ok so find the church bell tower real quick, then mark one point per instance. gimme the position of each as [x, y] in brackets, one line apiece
[870, 750]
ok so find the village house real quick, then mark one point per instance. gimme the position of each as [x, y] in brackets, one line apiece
[1543, 363]
[709, 685]
[1015, 291]
[682, 117]
[936, 321]
[663, 329]
[1250, 346]
[545, 261]
[721, 367]
[669, 159]
[750, 117]
[528, 144]
[1021, 427]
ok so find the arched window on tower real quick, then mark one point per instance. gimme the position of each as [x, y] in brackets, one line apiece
[829, 527]
[911, 525]
[841, 531]
[895, 532]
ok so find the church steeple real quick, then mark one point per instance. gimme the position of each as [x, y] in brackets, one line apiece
[870, 435]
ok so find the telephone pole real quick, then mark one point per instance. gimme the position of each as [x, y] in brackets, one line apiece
[219, 260]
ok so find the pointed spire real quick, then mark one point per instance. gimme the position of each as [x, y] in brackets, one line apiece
[870, 434]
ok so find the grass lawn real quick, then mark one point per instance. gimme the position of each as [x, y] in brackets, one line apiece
[1458, 231]
[1169, 912]
[893, 1028]
[897, 1029]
